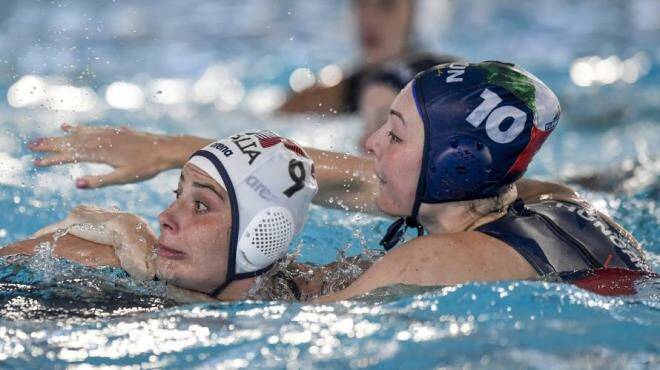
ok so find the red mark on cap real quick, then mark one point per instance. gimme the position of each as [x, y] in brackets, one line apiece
[536, 139]
[268, 139]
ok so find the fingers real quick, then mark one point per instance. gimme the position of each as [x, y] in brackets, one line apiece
[49, 144]
[81, 129]
[55, 144]
[56, 159]
[95, 233]
[116, 177]
[49, 229]
[89, 208]
[85, 211]
[67, 127]
[67, 142]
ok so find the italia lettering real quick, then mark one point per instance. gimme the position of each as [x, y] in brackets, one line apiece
[247, 145]
[260, 188]
[455, 72]
[222, 148]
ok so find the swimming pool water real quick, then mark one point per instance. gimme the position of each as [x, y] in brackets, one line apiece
[55, 314]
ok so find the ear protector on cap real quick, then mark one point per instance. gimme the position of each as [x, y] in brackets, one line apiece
[270, 182]
[266, 239]
[459, 168]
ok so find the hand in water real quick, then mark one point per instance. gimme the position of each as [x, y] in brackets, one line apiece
[132, 238]
[134, 155]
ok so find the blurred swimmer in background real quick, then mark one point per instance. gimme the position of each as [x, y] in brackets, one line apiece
[386, 38]
[382, 85]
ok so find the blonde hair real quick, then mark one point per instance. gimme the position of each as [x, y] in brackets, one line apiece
[467, 214]
[496, 204]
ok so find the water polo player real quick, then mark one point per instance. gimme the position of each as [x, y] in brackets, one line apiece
[457, 139]
[239, 203]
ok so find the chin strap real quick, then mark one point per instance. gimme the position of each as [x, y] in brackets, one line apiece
[233, 276]
[397, 230]
[219, 289]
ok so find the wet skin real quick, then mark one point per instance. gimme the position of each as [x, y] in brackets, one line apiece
[69, 247]
[192, 249]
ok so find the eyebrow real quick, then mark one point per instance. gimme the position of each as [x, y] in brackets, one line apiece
[203, 186]
[208, 186]
[398, 114]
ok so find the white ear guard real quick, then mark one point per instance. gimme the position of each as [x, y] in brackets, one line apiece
[265, 240]
[270, 182]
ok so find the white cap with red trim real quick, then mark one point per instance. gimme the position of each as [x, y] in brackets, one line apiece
[270, 181]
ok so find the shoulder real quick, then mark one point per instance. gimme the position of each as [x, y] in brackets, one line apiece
[459, 257]
[441, 260]
[531, 191]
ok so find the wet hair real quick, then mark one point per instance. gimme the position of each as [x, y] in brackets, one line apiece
[496, 204]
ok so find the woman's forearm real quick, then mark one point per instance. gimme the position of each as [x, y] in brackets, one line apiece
[177, 149]
[69, 247]
[345, 181]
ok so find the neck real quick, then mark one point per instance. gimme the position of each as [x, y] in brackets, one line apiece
[446, 218]
[454, 217]
[236, 289]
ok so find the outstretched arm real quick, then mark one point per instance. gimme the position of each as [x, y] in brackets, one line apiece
[316, 100]
[134, 155]
[69, 247]
[345, 181]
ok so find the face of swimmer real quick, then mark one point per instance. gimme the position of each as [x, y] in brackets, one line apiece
[375, 101]
[194, 240]
[384, 27]
[397, 147]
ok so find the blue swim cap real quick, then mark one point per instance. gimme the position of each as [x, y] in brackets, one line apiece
[483, 123]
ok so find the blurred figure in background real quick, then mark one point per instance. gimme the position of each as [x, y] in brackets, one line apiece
[385, 35]
[379, 89]
[381, 86]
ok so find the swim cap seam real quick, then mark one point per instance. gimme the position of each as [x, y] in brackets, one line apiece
[421, 183]
[235, 217]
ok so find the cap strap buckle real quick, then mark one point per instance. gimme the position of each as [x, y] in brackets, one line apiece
[397, 230]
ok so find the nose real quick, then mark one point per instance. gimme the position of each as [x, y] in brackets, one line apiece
[167, 220]
[374, 142]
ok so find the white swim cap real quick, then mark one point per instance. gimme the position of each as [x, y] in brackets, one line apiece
[270, 182]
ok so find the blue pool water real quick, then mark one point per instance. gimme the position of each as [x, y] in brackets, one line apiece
[56, 314]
